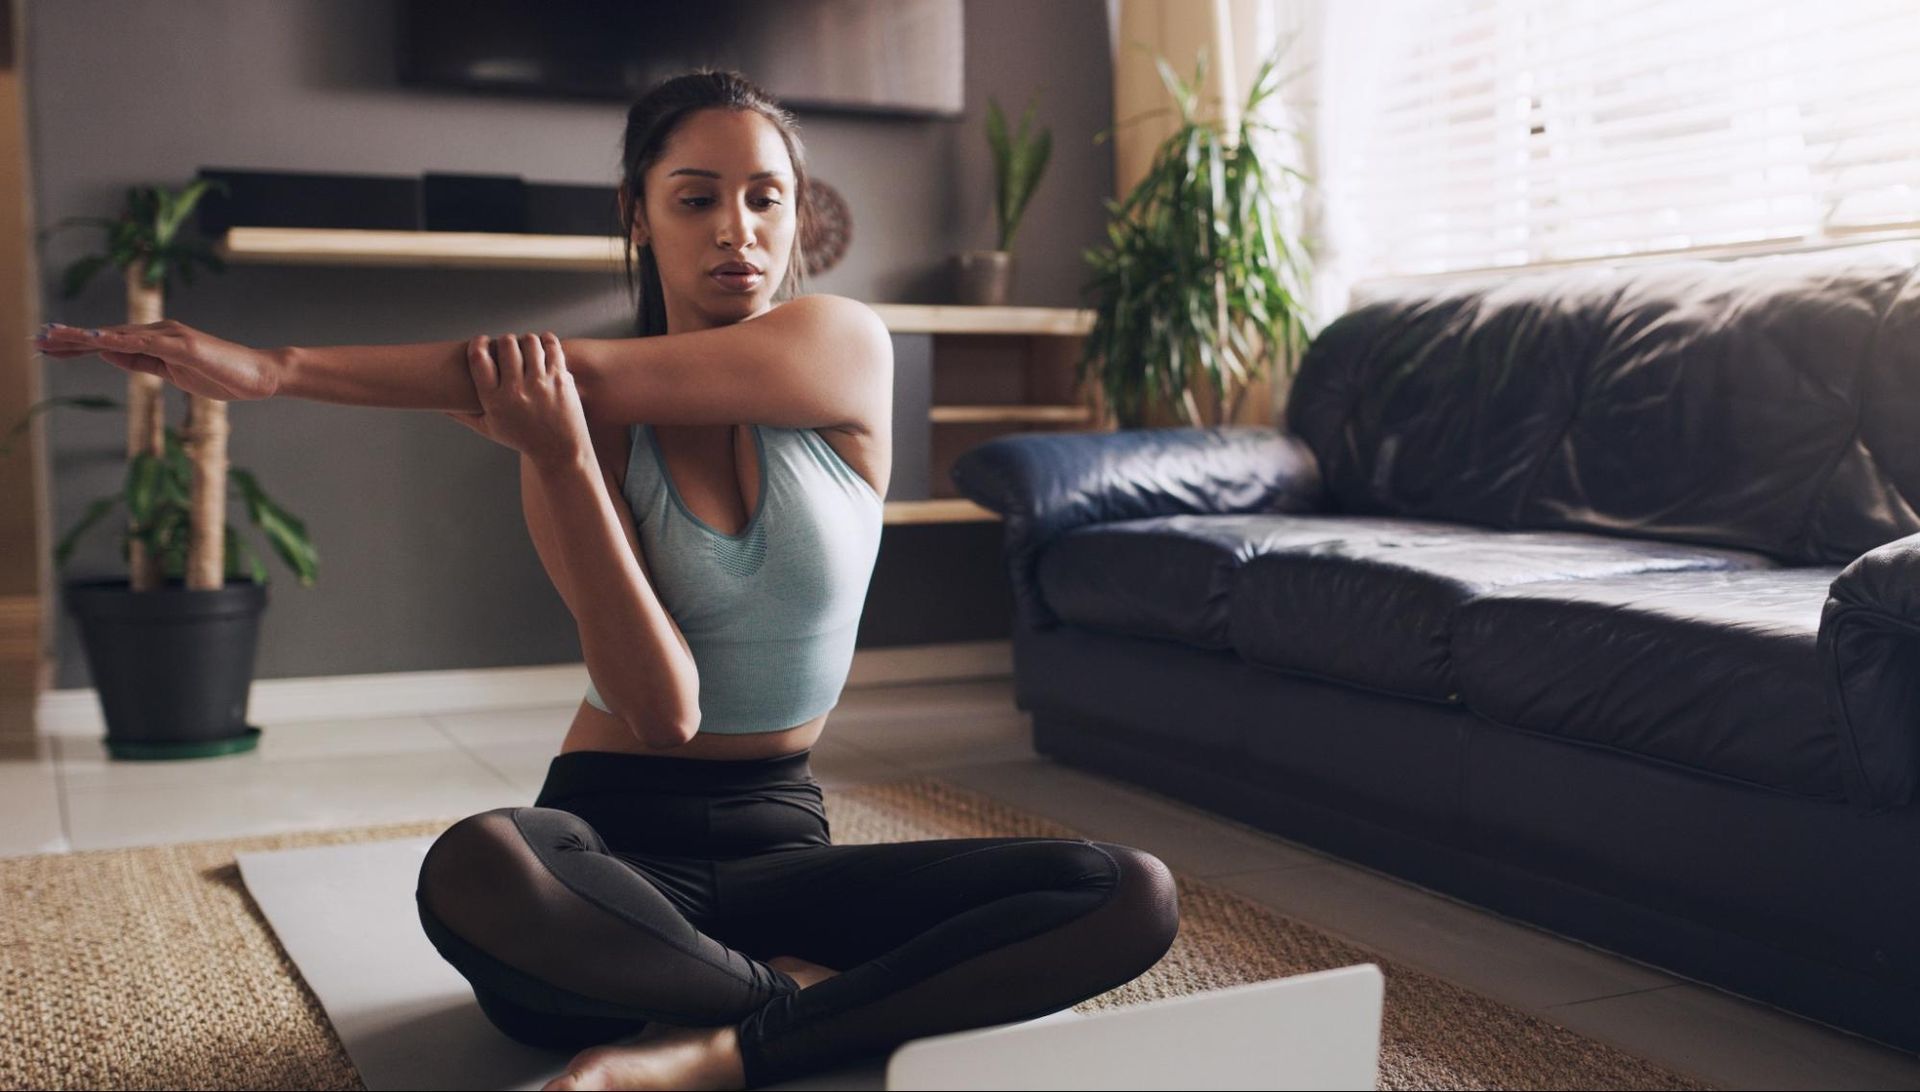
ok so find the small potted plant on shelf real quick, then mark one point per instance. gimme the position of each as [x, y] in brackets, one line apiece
[985, 277]
[171, 647]
[1202, 280]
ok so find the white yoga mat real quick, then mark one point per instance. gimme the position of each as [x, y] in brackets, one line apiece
[346, 915]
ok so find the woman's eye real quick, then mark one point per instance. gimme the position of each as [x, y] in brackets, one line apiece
[690, 201]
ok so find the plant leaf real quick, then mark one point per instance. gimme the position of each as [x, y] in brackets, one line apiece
[142, 486]
[78, 273]
[79, 401]
[237, 550]
[286, 534]
[1002, 154]
[94, 511]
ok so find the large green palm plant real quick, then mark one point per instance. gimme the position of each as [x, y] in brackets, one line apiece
[1201, 278]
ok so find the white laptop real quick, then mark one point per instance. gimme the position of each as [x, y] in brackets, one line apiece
[1310, 1031]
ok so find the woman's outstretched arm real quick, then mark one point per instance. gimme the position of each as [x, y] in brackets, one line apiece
[430, 375]
[819, 361]
[814, 362]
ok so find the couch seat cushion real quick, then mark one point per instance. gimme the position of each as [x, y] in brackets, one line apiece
[1374, 609]
[1710, 671]
[1170, 576]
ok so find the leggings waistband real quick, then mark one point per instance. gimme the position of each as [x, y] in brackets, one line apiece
[586, 773]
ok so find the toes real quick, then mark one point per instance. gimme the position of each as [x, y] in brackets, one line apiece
[579, 1074]
[570, 1081]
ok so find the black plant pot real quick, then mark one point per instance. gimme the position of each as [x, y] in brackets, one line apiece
[173, 666]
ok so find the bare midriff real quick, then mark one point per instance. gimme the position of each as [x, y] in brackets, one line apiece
[593, 730]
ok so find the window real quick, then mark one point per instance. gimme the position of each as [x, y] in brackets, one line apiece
[1511, 133]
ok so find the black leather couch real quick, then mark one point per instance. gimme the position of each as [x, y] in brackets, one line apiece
[1591, 597]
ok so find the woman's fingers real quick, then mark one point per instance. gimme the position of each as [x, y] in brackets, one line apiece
[98, 331]
[535, 354]
[56, 332]
[136, 362]
[512, 368]
[122, 338]
[480, 365]
[64, 343]
[130, 347]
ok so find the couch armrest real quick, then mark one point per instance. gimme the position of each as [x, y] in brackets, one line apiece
[1044, 484]
[1870, 647]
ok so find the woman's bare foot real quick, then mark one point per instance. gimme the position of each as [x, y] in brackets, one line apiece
[665, 1056]
[661, 1056]
[800, 970]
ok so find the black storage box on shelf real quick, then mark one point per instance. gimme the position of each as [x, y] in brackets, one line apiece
[565, 208]
[473, 202]
[434, 201]
[306, 199]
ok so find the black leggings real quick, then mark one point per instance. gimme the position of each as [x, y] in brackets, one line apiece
[649, 887]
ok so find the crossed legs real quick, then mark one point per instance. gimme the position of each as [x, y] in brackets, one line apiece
[568, 942]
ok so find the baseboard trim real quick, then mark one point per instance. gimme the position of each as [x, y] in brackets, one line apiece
[424, 693]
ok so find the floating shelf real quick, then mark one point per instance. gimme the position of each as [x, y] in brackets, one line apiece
[924, 318]
[976, 415]
[583, 254]
[429, 249]
[950, 510]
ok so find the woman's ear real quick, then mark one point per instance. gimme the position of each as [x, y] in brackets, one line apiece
[639, 222]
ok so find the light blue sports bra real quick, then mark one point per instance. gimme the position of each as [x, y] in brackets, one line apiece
[770, 612]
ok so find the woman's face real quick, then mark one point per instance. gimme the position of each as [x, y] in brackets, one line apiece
[721, 192]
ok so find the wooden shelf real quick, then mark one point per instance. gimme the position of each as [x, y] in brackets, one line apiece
[425, 249]
[974, 415]
[921, 318]
[584, 254]
[950, 510]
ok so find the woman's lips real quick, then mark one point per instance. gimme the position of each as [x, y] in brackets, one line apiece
[737, 282]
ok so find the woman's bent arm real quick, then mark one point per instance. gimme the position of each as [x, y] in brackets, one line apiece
[638, 659]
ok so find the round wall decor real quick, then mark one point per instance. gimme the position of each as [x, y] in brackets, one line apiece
[831, 228]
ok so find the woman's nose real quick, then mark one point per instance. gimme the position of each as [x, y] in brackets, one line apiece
[737, 231]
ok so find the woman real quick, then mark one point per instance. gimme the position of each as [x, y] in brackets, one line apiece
[675, 877]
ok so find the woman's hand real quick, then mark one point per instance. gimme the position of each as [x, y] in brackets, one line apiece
[527, 398]
[193, 360]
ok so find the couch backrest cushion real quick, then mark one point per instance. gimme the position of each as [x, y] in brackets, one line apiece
[1769, 403]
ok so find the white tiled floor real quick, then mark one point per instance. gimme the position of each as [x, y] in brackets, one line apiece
[321, 774]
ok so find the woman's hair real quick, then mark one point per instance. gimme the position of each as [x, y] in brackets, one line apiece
[650, 122]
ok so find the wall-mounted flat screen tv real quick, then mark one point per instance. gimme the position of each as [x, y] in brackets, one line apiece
[854, 56]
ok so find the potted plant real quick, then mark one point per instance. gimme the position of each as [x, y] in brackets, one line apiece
[1201, 279]
[171, 646]
[985, 277]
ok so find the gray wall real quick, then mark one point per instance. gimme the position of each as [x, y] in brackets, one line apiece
[424, 561]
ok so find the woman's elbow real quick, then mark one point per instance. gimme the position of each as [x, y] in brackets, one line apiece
[662, 732]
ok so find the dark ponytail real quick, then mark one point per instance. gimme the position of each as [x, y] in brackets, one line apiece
[650, 122]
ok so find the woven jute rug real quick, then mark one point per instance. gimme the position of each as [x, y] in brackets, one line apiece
[151, 968]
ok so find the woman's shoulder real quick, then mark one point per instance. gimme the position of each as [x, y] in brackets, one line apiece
[829, 309]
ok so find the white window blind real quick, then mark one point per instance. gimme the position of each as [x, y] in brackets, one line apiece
[1514, 133]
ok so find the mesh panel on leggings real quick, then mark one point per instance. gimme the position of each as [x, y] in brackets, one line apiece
[537, 890]
[1103, 939]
